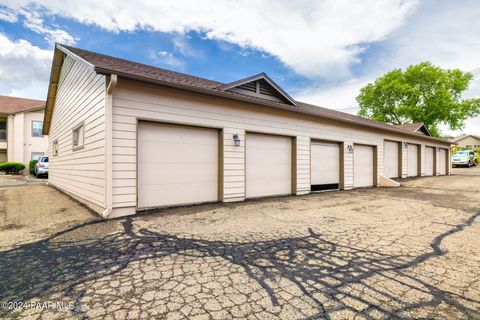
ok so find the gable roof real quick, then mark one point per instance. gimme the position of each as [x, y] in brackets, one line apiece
[108, 65]
[418, 127]
[463, 136]
[12, 105]
[260, 84]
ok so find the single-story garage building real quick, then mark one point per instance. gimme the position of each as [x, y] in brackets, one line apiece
[125, 136]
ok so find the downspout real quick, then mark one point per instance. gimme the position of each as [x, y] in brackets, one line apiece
[109, 145]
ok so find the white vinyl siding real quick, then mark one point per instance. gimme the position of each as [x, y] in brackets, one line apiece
[363, 166]
[80, 99]
[325, 168]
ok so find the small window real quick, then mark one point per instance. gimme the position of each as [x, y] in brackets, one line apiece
[37, 155]
[37, 127]
[55, 147]
[77, 133]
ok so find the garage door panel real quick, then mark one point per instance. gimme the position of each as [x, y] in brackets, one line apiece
[170, 173]
[363, 162]
[178, 152]
[429, 161]
[390, 159]
[325, 163]
[268, 165]
[178, 193]
[176, 165]
[412, 161]
[442, 163]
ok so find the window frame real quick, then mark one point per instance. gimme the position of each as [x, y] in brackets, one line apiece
[41, 130]
[81, 142]
[55, 147]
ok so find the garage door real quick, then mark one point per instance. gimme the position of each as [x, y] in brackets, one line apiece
[442, 163]
[325, 166]
[412, 160]
[176, 165]
[390, 159]
[268, 165]
[363, 166]
[429, 161]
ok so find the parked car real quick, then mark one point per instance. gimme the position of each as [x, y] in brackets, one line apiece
[464, 158]
[41, 167]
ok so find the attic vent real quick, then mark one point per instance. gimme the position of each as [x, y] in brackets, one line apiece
[251, 86]
[265, 88]
[260, 86]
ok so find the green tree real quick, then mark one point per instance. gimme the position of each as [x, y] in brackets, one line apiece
[422, 93]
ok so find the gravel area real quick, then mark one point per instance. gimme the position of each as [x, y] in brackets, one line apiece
[380, 253]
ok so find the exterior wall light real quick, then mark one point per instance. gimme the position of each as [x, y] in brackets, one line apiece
[350, 148]
[405, 144]
[236, 139]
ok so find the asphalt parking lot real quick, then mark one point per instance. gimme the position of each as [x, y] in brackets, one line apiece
[400, 253]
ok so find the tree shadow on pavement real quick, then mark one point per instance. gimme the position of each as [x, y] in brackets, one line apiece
[308, 276]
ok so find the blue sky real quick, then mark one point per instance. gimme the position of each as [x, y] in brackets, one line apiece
[320, 52]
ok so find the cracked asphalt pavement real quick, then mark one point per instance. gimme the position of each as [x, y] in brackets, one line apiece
[400, 253]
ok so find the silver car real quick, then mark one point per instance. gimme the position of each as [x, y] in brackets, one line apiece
[41, 167]
[464, 158]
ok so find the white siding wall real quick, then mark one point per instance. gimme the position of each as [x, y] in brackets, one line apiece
[233, 165]
[303, 164]
[80, 98]
[134, 100]
[18, 137]
[348, 165]
[404, 160]
[33, 144]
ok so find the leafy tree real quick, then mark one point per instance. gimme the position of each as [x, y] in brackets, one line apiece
[422, 93]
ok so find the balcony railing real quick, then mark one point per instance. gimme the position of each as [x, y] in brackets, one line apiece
[3, 134]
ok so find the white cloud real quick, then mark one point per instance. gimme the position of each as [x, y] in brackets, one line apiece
[339, 95]
[314, 38]
[8, 15]
[34, 22]
[442, 32]
[24, 68]
[165, 58]
[32, 19]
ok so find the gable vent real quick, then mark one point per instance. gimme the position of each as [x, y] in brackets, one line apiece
[265, 88]
[251, 86]
[260, 86]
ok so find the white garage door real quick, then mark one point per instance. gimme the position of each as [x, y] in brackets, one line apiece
[429, 160]
[325, 166]
[442, 163]
[268, 165]
[176, 165]
[390, 159]
[363, 166]
[412, 160]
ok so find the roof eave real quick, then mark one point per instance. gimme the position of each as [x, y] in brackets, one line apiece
[248, 99]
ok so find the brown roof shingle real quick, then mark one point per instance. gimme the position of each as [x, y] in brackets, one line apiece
[106, 65]
[412, 127]
[12, 105]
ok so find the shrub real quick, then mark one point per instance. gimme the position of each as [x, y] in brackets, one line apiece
[31, 165]
[11, 167]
